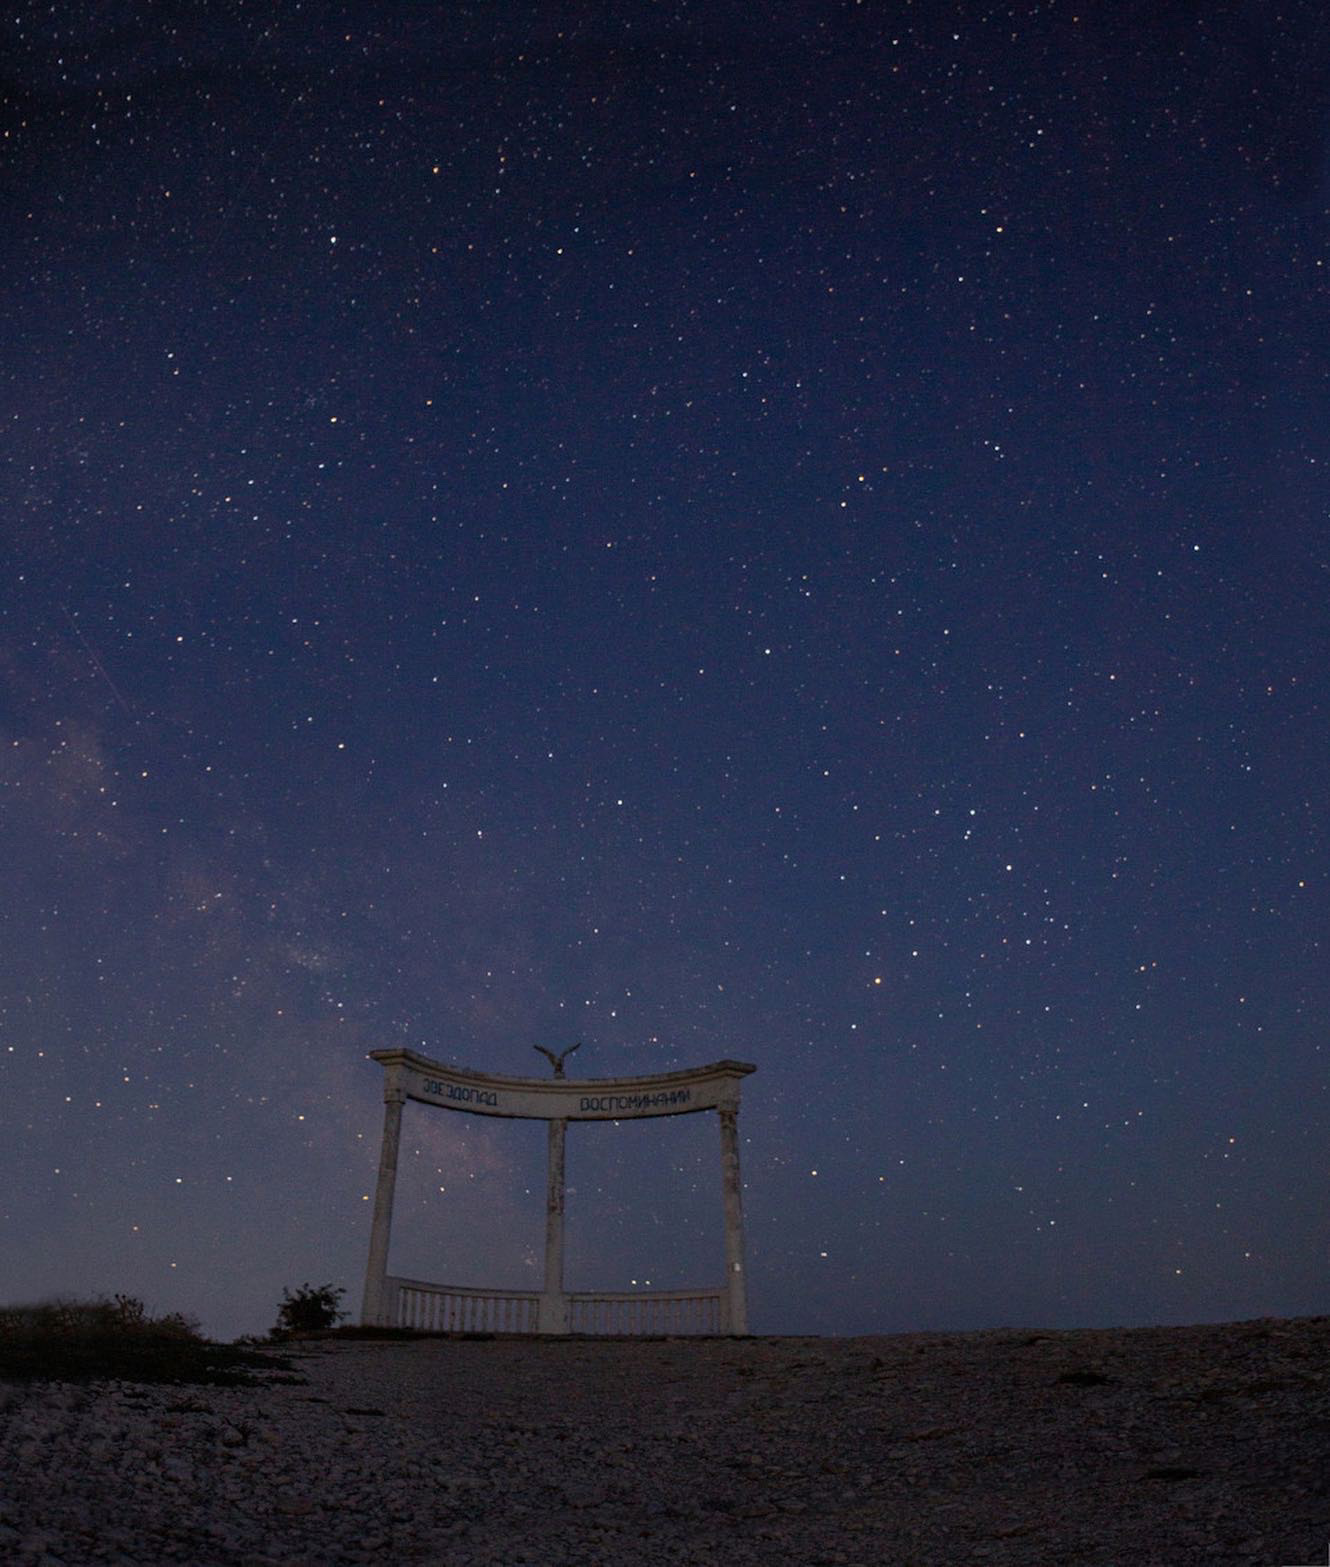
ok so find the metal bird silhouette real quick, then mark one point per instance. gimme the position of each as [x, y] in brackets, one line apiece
[557, 1061]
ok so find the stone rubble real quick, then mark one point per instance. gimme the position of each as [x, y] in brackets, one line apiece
[1123, 1448]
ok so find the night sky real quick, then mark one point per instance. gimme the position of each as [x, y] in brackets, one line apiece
[791, 534]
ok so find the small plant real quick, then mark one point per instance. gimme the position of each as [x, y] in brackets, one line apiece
[309, 1310]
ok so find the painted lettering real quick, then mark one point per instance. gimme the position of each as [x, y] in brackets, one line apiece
[610, 1102]
[460, 1093]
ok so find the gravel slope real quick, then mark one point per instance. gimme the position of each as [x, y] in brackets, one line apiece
[1170, 1446]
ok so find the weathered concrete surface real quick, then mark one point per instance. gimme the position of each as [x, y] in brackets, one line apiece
[1173, 1446]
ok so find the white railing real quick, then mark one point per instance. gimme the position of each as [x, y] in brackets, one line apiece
[453, 1308]
[662, 1311]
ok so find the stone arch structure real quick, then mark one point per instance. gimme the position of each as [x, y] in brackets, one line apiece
[398, 1302]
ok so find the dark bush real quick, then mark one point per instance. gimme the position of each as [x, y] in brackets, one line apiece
[309, 1310]
[76, 1340]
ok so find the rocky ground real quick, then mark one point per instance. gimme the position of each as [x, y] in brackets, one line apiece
[1168, 1445]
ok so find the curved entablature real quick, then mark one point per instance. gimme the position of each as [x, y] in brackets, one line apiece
[412, 1076]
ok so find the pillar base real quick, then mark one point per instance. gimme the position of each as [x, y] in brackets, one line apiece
[554, 1314]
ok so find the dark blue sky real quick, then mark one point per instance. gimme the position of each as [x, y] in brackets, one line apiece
[800, 538]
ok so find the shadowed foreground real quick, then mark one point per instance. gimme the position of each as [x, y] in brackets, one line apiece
[1168, 1445]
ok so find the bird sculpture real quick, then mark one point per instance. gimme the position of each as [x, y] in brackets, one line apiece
[557, 1061]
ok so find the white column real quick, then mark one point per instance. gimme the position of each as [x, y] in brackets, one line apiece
[375, 1308]
[736, 1288]
[553, 1301]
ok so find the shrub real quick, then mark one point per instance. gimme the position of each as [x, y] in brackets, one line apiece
[309, 1310]
[76, 1340]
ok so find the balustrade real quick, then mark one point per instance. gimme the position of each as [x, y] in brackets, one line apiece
[448, 1308]
[660, 1312]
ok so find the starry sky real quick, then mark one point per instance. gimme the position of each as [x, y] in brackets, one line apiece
[795, 535]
